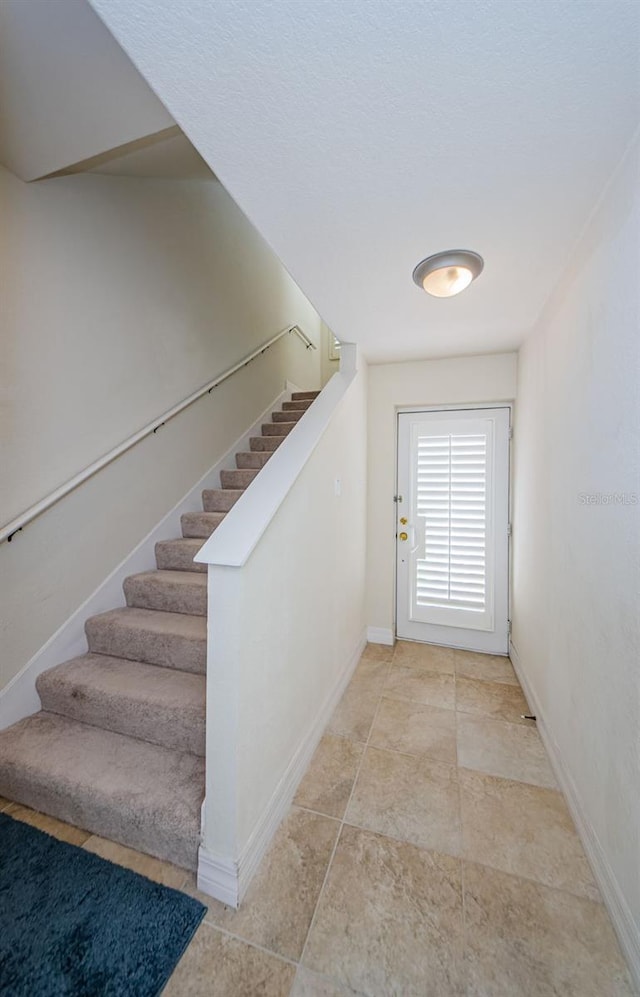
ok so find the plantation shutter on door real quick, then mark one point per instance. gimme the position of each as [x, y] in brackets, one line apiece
[452, 550]
[451, 490]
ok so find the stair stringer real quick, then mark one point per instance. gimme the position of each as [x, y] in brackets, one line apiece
[19, 698]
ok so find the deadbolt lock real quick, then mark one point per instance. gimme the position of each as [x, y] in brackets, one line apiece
[403, 536]
[404, 520]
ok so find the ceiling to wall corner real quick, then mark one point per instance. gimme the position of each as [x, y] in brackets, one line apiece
[361, 135]
[67, 90]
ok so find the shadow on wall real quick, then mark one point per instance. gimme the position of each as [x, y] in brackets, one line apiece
[122, 296]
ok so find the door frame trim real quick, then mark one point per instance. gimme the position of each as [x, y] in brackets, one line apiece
[454, 407]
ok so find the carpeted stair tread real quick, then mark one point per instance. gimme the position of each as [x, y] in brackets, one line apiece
[303, 395]
[139, 794]
[160, 705]
[172, 640]
[168, 591]
[251, 459]
[220, 499]
[200, 525]
[299, 406]
[238, 478]
[287, 416]
[264, 444]
[277, 428]
[178, 554]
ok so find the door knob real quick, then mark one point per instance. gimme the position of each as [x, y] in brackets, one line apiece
[403, 536]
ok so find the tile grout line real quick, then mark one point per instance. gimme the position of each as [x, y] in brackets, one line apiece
[342, 819]
[463, 953]
[400, 841]
[536, 882]
[463, 962]
[484, 865]
[244, 941]
[343, 822]
[317, 813]
[417, 755]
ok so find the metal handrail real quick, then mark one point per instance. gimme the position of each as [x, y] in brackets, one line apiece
[7, 532]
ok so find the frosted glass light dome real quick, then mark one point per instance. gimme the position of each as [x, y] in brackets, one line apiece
[446, 274]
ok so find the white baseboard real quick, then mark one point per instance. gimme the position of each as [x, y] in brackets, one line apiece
[228, 881]
[218, 877]
[19, 698]
[627, 931]
[380, 635]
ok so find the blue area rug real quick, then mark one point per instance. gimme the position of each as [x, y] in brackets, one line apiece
[74, 925]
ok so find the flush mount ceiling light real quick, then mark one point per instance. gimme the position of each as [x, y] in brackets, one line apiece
[446, 274]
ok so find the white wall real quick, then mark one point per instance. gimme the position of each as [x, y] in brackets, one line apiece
[329, 366]
[576, 613]
[286, 626]
[67, 90]
[463, 380]
[119, 297]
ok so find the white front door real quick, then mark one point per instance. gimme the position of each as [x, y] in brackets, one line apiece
[453, 528]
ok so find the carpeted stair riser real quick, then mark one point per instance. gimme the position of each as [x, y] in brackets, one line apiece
[277, 429]
[178, 555]
[252, 459]
[154, 704]
[220, 499]
[238, 478]
[200, 525]
[260, 444]
[171, 640]
[168, 591]
[142, 795]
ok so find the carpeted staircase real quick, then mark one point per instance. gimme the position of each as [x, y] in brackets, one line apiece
[118, 748]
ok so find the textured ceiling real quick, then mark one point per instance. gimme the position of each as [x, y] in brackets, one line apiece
[362, 135]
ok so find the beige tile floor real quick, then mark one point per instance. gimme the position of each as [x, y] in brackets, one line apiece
[428, 853]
